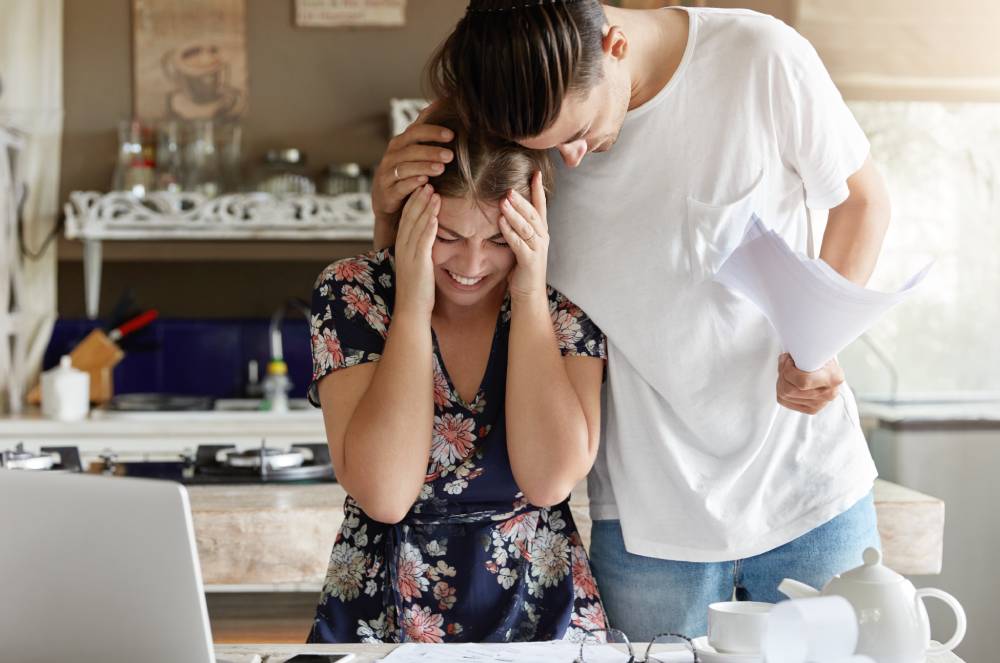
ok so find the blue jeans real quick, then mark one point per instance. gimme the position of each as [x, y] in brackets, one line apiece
[645, 596]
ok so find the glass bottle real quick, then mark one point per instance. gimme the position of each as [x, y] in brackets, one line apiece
[232, 156]
[133, 172]
[169, 169]
[202, 174]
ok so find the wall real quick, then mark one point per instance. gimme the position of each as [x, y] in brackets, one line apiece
[325, 90]
[941, 162]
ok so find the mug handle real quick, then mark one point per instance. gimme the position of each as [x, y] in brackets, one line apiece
[959, 618]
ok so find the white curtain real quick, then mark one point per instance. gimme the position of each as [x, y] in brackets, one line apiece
[31, 104]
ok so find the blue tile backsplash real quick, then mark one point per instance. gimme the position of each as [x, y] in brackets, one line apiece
[196, 357]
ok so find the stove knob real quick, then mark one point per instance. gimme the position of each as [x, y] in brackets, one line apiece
[110, 462]
[188, 458]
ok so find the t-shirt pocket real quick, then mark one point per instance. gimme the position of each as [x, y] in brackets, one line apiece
[713, 231]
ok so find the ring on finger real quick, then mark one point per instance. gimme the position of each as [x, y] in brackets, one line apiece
[395, 171]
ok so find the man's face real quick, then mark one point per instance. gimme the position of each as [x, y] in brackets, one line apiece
[587, 122]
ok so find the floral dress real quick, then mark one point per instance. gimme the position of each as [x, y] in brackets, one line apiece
[473, 561]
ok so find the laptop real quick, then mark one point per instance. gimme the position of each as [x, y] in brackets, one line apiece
[99, 569]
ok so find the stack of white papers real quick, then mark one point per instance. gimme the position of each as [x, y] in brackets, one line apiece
[816, 311]
[520, 652]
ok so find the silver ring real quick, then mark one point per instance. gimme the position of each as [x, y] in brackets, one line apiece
[395, 171]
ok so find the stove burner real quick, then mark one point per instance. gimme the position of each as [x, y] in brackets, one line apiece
[268, 457]
[302, 462]
[159, 403]
[210, 464]
[49, 458]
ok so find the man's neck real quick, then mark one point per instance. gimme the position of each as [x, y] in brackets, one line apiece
[657, 39]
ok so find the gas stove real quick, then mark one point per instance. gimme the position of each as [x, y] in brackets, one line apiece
[66, 459]
[209, 464]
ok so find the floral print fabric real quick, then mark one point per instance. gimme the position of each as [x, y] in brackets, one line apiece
[473, 560]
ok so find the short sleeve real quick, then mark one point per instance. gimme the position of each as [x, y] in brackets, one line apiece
[819, 136]
[351, 305]
[576, 333]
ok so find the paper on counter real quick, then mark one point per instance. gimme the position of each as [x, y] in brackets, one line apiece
[815, 630]
[518, 652]
[815, 311]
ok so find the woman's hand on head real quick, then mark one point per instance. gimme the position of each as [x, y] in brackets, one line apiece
[526, 230]
[406, 165]
[414, 241]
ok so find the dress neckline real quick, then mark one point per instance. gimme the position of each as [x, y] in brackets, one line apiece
[471, 407]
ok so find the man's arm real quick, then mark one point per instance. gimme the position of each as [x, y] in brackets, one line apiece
[857, 226]
[851, 244]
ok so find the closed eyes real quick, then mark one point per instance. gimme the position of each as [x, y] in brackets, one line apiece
[495, 241]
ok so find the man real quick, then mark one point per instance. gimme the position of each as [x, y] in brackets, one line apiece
[675, 126]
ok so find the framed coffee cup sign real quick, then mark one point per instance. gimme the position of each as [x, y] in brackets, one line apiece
[189, 59]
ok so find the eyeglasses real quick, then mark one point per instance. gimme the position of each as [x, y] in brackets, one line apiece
[664, 648]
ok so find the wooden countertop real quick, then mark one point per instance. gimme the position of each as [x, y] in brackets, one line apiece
[280, 536]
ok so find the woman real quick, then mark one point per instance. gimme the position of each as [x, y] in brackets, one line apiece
[461, 398]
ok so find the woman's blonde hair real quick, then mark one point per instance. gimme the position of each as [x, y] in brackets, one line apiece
[485, 169]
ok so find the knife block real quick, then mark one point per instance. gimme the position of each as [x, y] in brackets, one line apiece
[96, 354]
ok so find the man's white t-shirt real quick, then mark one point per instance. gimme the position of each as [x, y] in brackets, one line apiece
[697, 459]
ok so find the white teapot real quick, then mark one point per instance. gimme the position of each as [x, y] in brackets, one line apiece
[892, 621]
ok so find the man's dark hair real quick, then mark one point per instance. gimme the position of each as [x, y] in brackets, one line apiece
[509, 64]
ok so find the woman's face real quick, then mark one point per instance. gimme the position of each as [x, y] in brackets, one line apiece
[471, 258]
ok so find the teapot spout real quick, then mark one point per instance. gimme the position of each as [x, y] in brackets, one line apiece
[794, 589]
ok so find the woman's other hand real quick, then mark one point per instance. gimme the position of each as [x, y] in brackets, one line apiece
[525, 229]
[406, 165]
[414, 266]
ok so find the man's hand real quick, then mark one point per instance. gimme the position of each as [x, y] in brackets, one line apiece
[405, 167]
[807, 392]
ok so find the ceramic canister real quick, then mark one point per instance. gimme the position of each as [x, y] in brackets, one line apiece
[65, 392]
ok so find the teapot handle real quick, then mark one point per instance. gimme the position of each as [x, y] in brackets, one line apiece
[959, 618]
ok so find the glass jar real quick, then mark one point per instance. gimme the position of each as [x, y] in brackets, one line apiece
[202, 173]
[134, 169]
[231, 151]
[283, 172]
[345, 178]
[169, 169]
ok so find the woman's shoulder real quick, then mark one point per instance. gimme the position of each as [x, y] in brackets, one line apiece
[560, 302]
[372, 271]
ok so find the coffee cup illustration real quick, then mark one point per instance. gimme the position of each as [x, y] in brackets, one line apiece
[199, 75]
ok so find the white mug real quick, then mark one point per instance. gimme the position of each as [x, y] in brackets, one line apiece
[737, 627]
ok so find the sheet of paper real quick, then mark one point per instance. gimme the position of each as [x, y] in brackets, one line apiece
[521, 652]
[815, 311]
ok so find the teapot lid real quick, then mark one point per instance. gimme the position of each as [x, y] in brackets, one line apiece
[872, 570]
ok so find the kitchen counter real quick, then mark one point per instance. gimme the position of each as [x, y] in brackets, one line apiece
[280, 536]
[369, 653]
[173, 429]
[955, 414]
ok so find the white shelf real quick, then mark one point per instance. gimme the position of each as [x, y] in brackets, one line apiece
[94, 218]
[244, 216]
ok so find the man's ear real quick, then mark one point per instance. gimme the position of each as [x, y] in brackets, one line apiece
[614, 42]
